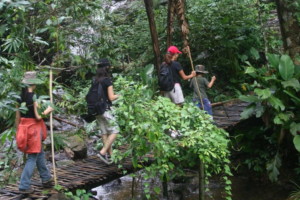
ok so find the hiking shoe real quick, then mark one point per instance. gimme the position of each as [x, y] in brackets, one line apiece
[175, 133]
[49, 183]
[103, 158]
[108, 157]
[24, 191]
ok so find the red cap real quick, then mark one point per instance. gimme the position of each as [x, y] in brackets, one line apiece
[173, 50]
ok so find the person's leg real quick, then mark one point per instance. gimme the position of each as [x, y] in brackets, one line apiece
[105, 139]
[207, 106]
[27, 172]
[108, 144]
[42, 168]
[102, 123]
[197, 103]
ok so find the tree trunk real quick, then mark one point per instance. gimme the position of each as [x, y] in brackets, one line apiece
[149, 10]
[289, 26]
[184, 26]
[171, 12]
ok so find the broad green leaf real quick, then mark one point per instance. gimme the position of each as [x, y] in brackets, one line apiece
[259, 111]
[273, 167]
[294, 83]
[294, 128]
[250, 70]
[286, 67]
[156, 189]
[294, 98]
[248, 112]
[254, 53]
[263, 93]
[272, 77]
[276, 103]
[274, 60]
[249, 98]
[296, 141]
[281, 118]
[297, 70]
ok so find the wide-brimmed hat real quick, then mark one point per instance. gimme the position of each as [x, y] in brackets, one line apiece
[30, 78]
[200, 69]
[103, 62]
[173, 50]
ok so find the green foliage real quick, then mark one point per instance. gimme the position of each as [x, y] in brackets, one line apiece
[73, 99]
[249, 142]
[59, 142]
[295, 195]
[146, 123]
[80, 194]
[275, 98]
[225, 34]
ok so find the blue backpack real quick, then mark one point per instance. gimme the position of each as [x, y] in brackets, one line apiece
[165, 78]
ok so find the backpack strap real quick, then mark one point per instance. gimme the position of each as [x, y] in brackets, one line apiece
[100, 89]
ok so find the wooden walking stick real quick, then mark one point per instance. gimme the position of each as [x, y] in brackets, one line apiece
[51, 127]
[201, 164]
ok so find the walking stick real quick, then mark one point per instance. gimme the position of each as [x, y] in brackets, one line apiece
[198, 89]
[201, 164]
[51, 127]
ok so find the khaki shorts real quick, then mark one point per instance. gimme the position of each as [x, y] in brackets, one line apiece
[176, 94]
[107, 123]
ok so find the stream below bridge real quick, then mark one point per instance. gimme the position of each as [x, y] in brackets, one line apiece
[243, 188]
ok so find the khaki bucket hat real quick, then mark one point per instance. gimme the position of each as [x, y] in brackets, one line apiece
[200, 69]
[30, 78]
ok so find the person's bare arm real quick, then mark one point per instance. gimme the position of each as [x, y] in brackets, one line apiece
[212, 81]
[111, 95]
[48, 110]
[186, 77]
[35, 109]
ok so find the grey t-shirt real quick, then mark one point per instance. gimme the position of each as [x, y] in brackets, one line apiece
[202, 84]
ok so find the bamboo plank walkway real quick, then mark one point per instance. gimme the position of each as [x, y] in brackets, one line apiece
[91, 172]
[227, 114]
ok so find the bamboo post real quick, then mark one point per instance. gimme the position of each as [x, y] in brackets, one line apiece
[132, 187]
[192, 65]
[165, 187]
[51, 127]
[201, 180]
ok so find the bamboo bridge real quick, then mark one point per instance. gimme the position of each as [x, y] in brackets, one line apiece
[92, 172]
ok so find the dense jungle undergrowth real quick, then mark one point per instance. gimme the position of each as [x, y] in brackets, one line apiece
[237, 42]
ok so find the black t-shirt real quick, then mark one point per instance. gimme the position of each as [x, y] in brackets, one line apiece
[28, 99]
[176, 67]
[106, 82]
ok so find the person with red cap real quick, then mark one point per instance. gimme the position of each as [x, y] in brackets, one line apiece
[176, 94]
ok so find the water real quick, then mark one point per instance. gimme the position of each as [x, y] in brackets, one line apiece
[243, 188]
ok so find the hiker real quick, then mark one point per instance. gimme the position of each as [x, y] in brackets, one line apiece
[201, 87]
[176, 94]
[109, 129]
[31, 131]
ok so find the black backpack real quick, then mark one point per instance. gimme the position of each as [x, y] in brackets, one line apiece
[165, 78]
[96, 99]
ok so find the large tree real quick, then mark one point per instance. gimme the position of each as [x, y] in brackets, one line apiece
[288, 14]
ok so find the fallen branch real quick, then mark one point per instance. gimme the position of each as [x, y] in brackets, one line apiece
[65, 121]
[222, 102]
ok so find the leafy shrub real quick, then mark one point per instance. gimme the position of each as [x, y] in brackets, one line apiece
[145, 122]
[275, 99]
